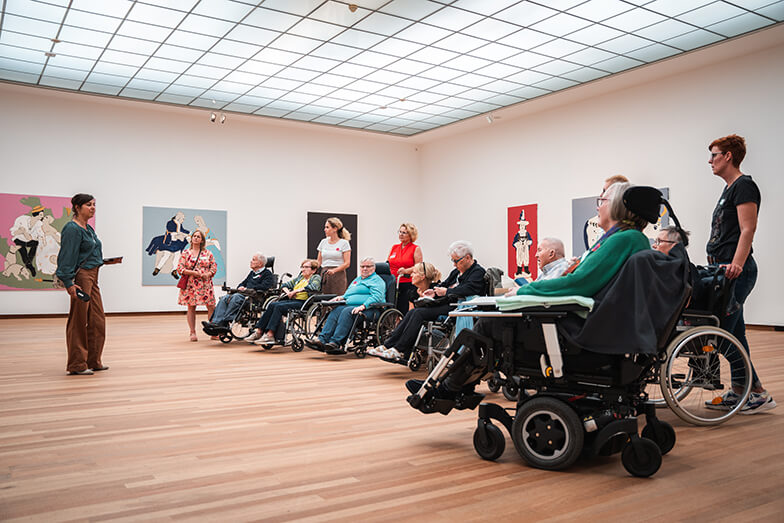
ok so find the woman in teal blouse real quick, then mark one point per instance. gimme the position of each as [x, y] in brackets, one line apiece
[77, 268]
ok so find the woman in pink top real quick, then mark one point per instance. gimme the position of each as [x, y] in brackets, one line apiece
[402, 258]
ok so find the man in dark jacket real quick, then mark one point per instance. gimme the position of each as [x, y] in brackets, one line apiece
[258, 279]
[467, 279]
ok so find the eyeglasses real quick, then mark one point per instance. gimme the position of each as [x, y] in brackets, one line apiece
[402, 232]
[713, 155]
[599, 201]
[658, 242]
[459, 259]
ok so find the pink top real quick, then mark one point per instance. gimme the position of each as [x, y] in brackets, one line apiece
[401, 257]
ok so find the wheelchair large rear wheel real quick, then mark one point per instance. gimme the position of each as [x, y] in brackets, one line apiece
[315, 318]
[295, 331]
[698, 372]
[547, 433]
[386, 323]
[242, 325]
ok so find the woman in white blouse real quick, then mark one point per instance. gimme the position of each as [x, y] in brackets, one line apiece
[334, 257]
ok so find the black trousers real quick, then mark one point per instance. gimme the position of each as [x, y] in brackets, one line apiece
[404, 336]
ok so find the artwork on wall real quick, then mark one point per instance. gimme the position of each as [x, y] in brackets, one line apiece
[166, 233]
[316, 222]
[585, 223]
[521, 226]
[30, 227]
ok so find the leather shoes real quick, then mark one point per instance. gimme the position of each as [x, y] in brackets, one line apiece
[85, 372]
[102, 367]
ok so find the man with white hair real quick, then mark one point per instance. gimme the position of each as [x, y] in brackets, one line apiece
[467, 279]
[258, 279]
[550, 258]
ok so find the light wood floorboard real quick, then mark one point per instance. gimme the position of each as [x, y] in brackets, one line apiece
[181, 431]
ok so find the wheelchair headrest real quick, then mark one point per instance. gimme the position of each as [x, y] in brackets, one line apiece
[382, 269]
[270, 262]
[646, 202]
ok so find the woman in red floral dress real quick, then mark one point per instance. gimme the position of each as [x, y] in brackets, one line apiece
[199, 265]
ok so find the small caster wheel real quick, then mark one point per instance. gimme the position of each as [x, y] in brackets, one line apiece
[489, 441]
[494, 385]
[660, 433]
[511, 392]
[297, 345]
[226, 338]
[641, 457]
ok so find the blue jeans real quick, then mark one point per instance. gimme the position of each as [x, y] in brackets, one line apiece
[274, 314]
[227, 308]
[339, 322]
[735, 324]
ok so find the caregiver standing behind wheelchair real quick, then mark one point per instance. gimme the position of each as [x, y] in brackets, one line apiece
[401, 259]
[78, 261]
[199, 266]
[334, 257]
[733, 226]
[623, 212]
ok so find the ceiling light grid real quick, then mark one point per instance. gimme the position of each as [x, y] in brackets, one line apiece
[390, 66]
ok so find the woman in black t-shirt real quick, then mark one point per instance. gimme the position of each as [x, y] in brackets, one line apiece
[733, 226]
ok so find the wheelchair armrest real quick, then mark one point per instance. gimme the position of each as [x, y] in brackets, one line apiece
[380, 305]
[322, 297]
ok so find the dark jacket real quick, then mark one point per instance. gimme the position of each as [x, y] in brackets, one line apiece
[636, 310]
[258, 282]
[470, 283]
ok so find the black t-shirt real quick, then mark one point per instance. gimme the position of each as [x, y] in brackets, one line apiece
[725, 228]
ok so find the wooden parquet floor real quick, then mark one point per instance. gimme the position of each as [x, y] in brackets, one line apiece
[181, 431]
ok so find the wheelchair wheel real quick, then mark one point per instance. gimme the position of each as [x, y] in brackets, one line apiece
[226, 337]
[494, 385]
[548, 434]
[315, 318]
[661, 433]
[698, 371]
[510, 391]
[268, 301]
[386, 323]
[641, 457]
[295, 332]
[489, 441]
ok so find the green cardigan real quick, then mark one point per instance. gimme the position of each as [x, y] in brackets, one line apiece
[596, 270]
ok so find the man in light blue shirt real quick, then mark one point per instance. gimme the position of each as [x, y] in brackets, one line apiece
[551, 260]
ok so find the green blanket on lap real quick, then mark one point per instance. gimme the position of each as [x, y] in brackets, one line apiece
[520, 302]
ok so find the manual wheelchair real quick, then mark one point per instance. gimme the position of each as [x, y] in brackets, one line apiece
[577, 400]
[368, 328]
[254, 305]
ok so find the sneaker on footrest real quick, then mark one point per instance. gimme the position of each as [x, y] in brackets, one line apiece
[728, 401]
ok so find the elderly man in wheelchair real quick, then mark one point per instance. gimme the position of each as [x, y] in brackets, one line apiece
[588, 359]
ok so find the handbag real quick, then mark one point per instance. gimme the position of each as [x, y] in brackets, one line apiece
[713, 291]
[183, 281]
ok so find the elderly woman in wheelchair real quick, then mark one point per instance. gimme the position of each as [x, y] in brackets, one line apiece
[294, 293]
[589, 370]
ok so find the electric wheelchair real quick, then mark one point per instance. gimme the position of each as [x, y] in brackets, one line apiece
[368, 328]
[589, 376]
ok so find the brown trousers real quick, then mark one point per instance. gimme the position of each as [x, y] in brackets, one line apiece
[85, 331]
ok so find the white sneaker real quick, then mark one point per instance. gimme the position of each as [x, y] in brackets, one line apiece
[392, 354]
[376, 351]
[253, 337]
[758, 402]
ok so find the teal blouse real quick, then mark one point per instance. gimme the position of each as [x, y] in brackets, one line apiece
[79, 249]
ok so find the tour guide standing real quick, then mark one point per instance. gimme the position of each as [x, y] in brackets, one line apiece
[77, 267]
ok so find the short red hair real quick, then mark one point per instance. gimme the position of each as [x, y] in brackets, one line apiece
[733, 144]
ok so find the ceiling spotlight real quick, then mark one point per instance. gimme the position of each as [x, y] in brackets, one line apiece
[489, 118]
[352, 8]
[223, 118]
[213, 116]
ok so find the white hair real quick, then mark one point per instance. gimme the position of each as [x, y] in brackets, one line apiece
[368, 258]
[555, 244]
[460, 248]
[261, 257]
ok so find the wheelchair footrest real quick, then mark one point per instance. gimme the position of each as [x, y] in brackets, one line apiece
[468, 401]
[430, 405]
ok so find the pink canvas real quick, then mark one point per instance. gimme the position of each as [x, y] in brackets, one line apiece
[16, 275]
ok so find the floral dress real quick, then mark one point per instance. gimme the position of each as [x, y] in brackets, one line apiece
[198, 291]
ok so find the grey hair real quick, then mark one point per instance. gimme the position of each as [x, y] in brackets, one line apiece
[368, 258]
[676, 234]
[556, 245]
[260, 257]
[460, 248]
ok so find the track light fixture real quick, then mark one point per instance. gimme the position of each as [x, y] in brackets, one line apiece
[213, 117]
[223, 118]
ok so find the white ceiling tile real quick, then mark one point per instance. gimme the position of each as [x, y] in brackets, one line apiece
[495, 52]
[452, 19]
[527, 59]
[675, 7]
[423, 34]
[110, 90]
[432, 55]
[560, 24]
[559, 48]
[594, 34]
[83, 51]
[443, 74]
[460, 43]
[526, 14]
[120, 57]
[37, 10]
[339, 14]
[485, 7]
[373, 59]
[589, 56]
[298, 7]
[29, 26]
[653, 52]
[693, 40]
[598, 10]
[295, 73]
[556, 84]
[238, 49]
[526, 39]
[252, 35]
[133, 45]
[397, 47]
[334, 80]
[491, 29]
[740, 24]
[711, 14]
[359, 39]
[316, 29]
[619, 63]
[277, 56]
[269, 19]
[314, 63]
[116, 8]
[335, 52]
[381, 23]
[151, 14]
[61, 83]
[260, 68]
[81, 36]
[411, 9]
[352, 70]
[295, 44]
[223, 9]
[65, 72]
[467, 63]
[407, 67]
[624, 44]
[585, 74]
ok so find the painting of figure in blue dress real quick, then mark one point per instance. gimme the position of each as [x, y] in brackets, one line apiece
[166, 234]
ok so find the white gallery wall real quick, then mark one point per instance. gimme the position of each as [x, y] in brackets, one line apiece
[133, 154]
[652, 125]
[655, 133]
